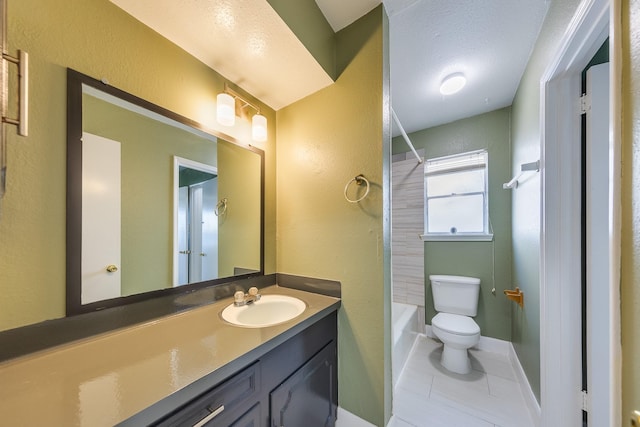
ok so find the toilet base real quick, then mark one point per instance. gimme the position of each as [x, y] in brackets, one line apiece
[456, 360]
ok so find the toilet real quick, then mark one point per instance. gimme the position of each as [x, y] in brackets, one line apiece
[456, 300]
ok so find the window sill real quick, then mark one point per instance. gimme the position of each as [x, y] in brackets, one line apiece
[457, 237]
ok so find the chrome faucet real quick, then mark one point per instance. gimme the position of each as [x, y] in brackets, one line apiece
[240, 298]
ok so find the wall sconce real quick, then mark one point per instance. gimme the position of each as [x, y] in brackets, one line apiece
[229, 102]
[259, 128]
[226, 109]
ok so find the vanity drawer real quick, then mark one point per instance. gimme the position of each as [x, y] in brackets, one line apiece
[222, 404]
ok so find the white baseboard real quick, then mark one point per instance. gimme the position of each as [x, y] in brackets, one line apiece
[493, 345]
[347, 419]
[527, 393]
[428, 332]
[392, 421]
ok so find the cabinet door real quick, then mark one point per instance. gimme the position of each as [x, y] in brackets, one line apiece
[250, 419]
[309, 397]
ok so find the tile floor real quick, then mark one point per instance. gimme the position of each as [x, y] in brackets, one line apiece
[430, 396]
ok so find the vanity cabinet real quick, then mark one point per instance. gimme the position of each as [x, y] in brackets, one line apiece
[306, 398]
[250, 419]
[223, 405]
[292, 385]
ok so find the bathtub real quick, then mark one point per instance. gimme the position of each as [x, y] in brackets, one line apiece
[405, 327]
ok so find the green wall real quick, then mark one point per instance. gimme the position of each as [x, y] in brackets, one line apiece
[147, 150]
[526, 200]
[324, 140]
[490, 131]
[630, 273]
[239, 227]
[306, 20]
[98, 39]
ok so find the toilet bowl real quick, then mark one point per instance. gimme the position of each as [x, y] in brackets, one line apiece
[458, 334]
[456, 300]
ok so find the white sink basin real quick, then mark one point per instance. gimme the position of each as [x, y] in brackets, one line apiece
[268, 311]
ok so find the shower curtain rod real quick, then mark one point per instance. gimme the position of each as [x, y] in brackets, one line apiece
[405, 136]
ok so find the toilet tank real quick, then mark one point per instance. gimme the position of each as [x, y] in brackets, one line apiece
[455, 294]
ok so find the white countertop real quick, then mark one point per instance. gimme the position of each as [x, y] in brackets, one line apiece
[106, 379]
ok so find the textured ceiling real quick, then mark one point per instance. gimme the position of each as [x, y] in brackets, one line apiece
[341, 13]
[489, 41]
[244, 40]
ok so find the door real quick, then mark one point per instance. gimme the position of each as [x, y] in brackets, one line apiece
[195, 222]
[101, 217]
[250, 419]
[598, 218]
[308, 397]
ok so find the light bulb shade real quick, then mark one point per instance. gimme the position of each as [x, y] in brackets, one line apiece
[452, 84]
[226, 109]
[259, 128]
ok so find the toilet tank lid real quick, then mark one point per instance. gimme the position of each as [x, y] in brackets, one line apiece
[455, 279]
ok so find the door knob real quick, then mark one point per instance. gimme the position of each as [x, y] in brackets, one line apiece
[112, 268]
[635, 418]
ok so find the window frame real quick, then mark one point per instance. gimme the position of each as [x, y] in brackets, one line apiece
[487, 233]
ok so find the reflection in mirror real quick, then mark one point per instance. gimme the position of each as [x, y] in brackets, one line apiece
[155, 203]
[196, 222]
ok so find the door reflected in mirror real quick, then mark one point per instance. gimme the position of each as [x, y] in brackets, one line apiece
[155, 203]
[196, 226]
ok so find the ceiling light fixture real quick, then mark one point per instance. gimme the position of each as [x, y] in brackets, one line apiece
[226, 113]
[452, 83]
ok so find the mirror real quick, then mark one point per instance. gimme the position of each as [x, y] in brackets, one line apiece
[155, 202]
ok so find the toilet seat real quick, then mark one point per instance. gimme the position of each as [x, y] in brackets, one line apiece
[455, 324]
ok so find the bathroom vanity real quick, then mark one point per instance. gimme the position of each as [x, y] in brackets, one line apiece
[182, 369]
[292, 385]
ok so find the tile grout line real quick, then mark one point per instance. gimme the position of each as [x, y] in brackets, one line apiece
[422, 343]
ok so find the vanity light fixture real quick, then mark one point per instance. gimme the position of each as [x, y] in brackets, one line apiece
[259, 128]
[230, 101]
[226, 109]
[452, 83]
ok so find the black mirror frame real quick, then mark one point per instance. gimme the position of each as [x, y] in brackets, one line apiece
[75, 80]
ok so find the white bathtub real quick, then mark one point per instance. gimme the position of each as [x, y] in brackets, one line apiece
[405, 327]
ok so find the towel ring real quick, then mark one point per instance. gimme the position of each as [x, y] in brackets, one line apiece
[358, 180]
[221, 207]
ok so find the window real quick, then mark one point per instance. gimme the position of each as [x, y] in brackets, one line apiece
[456, 197]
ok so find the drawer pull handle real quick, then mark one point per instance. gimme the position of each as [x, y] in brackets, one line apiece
[209, 417]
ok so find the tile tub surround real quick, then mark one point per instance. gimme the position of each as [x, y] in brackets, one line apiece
[109, 378]
[407, 206]
[429, 396]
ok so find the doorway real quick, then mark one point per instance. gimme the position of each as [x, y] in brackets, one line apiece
[561, 236]
[195, 222]
[595, 217]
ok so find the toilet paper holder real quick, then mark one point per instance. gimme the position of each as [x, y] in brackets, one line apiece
[515, 295]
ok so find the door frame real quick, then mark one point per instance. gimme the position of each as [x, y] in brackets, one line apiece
[192, 164]
[560, 236]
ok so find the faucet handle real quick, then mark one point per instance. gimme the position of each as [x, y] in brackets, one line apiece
[253, 291]
[238, 296]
